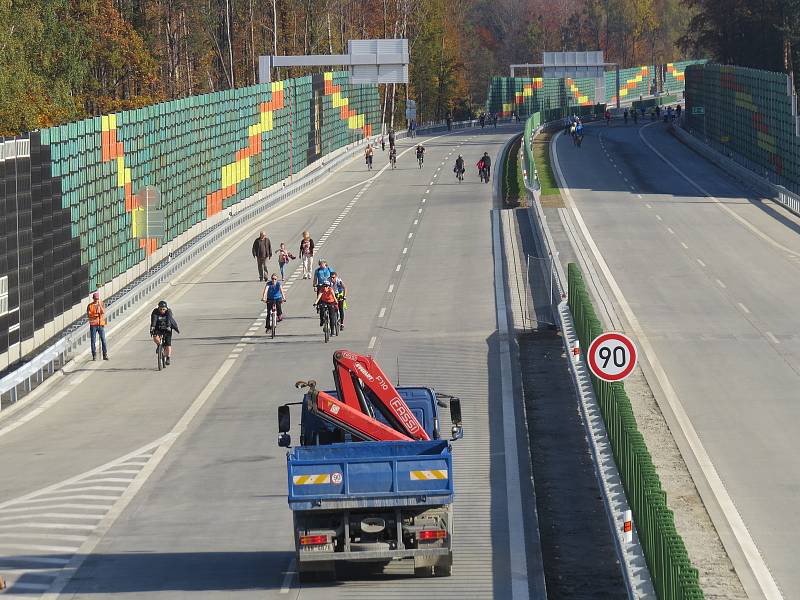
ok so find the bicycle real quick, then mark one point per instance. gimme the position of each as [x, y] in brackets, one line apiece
[160, 353]
[420, 160]
[329, 329]
[273, 319]
[460, 175]
[393, 161]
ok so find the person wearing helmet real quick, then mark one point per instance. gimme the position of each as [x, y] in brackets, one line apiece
[326, 300]
[162, 323]
[96, 313]
[459, 168]
[487, 165]
[322, 273]
[420, 154]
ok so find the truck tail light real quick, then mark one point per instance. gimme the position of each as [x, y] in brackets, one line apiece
[313, 540]
[429, 535]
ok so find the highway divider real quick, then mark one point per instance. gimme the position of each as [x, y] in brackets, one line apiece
[671, 571]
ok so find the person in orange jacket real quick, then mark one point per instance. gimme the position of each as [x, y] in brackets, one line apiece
[96, 314]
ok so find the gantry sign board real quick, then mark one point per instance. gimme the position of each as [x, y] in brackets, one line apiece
[575, 65]
[611, 356]
[369, 61]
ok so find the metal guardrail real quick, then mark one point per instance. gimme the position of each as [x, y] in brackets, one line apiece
[26, 377]
[742, 172]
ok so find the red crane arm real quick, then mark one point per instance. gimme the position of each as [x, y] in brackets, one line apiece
[353, 420]
[349, 364]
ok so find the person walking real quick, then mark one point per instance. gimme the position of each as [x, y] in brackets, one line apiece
[96, 313]
[307, 254]
[284, 256]
[383, 144]
[262, 252]
[368, 156]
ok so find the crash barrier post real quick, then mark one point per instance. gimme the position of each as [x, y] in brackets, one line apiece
[672, 573]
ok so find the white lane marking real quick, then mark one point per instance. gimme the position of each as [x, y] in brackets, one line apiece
[405, 250]
[39, 547]
[639, 196]
[767, 581]
[410, 235]
[701, 263]
[659, 217]
[734, 520]
[744, 308]
[398, 268]
[427, 191]
[772, 337]
[75, 516]
[383, 312]
[372, 341]
[517, 557]
[286, 586]
[648, 205]
[721, 284]
[125, 499]
[423, 200]
[31, 586]
[419, 212]
[391, 289]
[670, 230]
[685, 247]
[47, 537]
[416, 221]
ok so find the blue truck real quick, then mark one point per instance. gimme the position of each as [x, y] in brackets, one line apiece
[371, 502]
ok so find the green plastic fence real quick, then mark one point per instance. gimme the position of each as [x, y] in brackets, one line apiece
[673, 575]
[203, 153]
[526, 95]
[748, 114]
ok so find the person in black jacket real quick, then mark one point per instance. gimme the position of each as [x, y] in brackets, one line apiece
[262, 252]
[161, 325]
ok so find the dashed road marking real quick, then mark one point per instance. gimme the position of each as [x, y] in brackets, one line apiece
[372, 341]
[670, 230]
[701, 263]
[648, 205]
[639, 196]
[398, 268]
[410, 235]
[685, 247]
[405, 250]
[772, 337]
[744, 308]
[659, 217]
[391, 289]
[382, 312]
[721, 284]
[416, 221]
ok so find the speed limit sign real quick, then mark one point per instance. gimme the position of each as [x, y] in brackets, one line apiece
[612, 356]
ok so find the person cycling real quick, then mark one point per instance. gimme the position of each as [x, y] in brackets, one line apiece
[393, 156]
[459, 168]
[340, 291]
[274, 295]
[162, 323]
[420, 154]
[485, 166]
[578, 133]
[625, 116]
[368, 156]
[322, 273]
[327, 298]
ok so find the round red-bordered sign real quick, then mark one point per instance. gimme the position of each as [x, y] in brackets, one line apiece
[612, 356]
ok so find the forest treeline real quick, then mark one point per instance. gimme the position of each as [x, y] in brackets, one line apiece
[62, 60]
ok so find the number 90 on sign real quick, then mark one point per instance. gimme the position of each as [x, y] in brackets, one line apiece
[612, 356]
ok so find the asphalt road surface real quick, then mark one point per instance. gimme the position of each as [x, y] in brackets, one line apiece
[713, 283]
[135, 483]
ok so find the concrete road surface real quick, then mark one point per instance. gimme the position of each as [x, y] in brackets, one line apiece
[713, 282]
[145, 484]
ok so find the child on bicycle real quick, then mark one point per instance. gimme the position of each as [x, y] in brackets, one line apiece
[327, 298]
